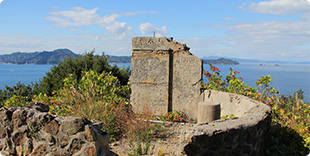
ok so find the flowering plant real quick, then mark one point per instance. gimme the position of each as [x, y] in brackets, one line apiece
[175, 116]
[288, 112]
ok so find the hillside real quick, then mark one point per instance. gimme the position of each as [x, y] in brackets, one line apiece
[119, 59]
[45, 57]
[220, 61]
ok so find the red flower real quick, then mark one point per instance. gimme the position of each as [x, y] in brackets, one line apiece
[207, 74]
[217, 82]
[237, 72]
[241, 78]
[168, 118]
[214, 69]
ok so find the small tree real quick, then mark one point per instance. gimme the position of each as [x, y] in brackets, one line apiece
[53, 80]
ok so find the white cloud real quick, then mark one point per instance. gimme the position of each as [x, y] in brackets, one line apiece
[1, 1]
[229, 19]
[266, 40]
[273, 39]
[148, 28]
[280, 7]
[79, 16]
[270, 38]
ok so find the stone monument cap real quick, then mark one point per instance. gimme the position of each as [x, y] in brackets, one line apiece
[156, 45]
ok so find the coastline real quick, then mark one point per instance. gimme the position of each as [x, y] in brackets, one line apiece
[287, 78]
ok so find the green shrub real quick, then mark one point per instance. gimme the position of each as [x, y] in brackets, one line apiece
[17, 95]
[53, 81]
[291, 111]
[290, 114]
[283, 140]
[95, 96]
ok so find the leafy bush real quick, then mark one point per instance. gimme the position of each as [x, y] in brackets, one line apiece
[283, 140]
[234, 84]
[290, 114]
[95, 96]
[16, 95]
[53, 80]
[291, 111]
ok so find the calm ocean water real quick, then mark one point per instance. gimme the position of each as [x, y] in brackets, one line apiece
[287, 78]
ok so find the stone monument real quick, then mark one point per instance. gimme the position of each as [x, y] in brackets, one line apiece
[165, 76]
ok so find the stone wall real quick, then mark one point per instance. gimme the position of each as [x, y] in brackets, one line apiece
[242, 135]
[165, 76]
[27, 131]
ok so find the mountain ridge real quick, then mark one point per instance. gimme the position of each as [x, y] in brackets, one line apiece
[45, 57]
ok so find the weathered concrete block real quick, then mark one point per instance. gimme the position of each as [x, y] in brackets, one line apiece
[151, 96]
[165, 76]
[187, 78]
[149, 82]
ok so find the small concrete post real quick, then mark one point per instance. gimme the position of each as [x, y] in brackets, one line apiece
[208, 112]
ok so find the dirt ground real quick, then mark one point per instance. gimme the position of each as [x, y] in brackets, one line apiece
[166, 145]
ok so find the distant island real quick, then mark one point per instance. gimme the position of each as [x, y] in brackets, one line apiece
[51, 57]
[220, 61]
[45, 57]
[59, 55]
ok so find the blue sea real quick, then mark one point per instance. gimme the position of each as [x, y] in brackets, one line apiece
[286, 78]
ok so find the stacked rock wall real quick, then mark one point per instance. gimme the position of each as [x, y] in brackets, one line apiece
[26, 131]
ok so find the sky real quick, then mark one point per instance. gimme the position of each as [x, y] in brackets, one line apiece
[248, 29]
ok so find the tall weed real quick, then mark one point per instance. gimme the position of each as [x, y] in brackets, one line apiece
[139, 132]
